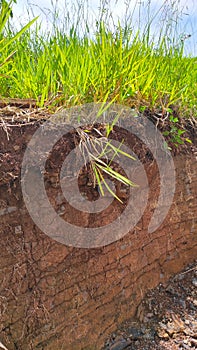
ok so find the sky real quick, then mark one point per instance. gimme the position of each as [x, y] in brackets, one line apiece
[25, 9]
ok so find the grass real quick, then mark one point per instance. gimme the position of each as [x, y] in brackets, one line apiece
[73, 65]
[67, 67]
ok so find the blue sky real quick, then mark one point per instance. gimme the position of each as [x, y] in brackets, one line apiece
[187, 24]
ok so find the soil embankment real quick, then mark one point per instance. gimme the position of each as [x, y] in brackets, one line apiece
[58, 297]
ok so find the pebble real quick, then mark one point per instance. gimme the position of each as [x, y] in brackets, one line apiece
[120, 345]
[182, 303]
[194, 282]
[187, 322]
[171, 290]
[186, 347]
[135, 333]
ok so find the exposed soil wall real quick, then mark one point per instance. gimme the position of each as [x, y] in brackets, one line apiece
[58, 297]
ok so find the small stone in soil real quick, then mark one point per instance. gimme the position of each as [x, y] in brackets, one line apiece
[135, 333]
[194, 282]
[120, 345]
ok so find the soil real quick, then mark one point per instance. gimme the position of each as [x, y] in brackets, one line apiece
[16, 111]
[166, 318]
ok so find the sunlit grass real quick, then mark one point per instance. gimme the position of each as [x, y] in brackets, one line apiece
[120, 65]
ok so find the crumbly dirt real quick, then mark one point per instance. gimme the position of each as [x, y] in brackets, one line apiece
[166, 318]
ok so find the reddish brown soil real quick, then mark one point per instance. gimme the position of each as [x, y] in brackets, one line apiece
[56, 297]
